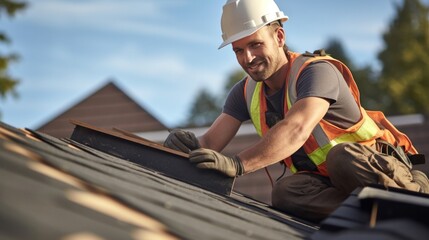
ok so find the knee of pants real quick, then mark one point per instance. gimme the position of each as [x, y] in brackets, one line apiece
[296, 189]
[341, 157]
[305, 196]
[285, 191]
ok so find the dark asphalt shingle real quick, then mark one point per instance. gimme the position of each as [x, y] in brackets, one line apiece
[36, 206]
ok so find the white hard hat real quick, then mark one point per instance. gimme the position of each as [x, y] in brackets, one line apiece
[241, 18]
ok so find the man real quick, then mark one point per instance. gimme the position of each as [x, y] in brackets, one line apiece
[306, 109]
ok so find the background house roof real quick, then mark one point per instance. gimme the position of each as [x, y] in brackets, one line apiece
[106, 107]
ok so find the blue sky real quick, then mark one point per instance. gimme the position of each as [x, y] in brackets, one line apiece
[160, 52]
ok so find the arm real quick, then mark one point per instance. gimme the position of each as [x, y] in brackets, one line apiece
[220, 133]
[216, 138]
[316, 91]
[287, 136]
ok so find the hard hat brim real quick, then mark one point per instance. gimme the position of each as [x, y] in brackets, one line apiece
[248, 32]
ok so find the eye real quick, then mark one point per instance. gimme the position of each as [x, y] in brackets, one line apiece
[238, 51]
[256, 45]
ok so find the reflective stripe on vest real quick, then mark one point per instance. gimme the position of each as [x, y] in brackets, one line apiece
[253, 89]
[367, 131]
[319, 144]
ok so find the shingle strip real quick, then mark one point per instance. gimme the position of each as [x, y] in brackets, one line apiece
[151, 156]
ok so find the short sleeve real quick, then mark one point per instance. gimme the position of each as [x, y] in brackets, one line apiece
[319, 79]
[324, 80]
[235, 103]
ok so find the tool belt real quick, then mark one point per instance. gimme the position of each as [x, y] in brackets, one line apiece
[398, 152]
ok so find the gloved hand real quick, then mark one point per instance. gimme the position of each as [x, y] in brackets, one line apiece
[209, 159]
[182, 140]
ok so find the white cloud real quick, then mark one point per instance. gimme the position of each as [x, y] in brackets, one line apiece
[93, 11]
[168, 67]
[157, 29]
[133, 60]
[148, 17]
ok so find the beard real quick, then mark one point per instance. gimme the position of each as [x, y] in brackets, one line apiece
[259, 70]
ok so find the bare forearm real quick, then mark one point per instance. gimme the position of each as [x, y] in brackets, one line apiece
[287, 136]
[279, 143]
[220, 133]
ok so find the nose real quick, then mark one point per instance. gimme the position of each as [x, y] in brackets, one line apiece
[248, 56]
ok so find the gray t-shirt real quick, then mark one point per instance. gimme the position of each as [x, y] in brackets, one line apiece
[318, 79]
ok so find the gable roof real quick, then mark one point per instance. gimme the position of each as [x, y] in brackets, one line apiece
[108, 106]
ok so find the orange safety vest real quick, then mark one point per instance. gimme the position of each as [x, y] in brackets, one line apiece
[372, 125]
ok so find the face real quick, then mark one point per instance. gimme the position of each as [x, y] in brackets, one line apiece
[261, 54]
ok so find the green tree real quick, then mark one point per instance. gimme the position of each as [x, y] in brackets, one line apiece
[335, 49]
[204, 110]
[7, 82]
[233, 78]
[365, 77]
[207, 107]
[405, 60]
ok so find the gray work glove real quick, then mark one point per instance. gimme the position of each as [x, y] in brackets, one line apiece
[182, 140]
[209, 159]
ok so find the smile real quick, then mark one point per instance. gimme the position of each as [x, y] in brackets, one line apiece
[254, 66]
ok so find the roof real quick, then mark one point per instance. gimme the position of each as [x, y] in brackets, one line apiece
[56, 188]
[111, 184]
[107, 106]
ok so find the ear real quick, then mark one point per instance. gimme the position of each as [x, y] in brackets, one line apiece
[280, 37]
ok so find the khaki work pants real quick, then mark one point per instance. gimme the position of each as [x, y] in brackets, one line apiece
[350, 165]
